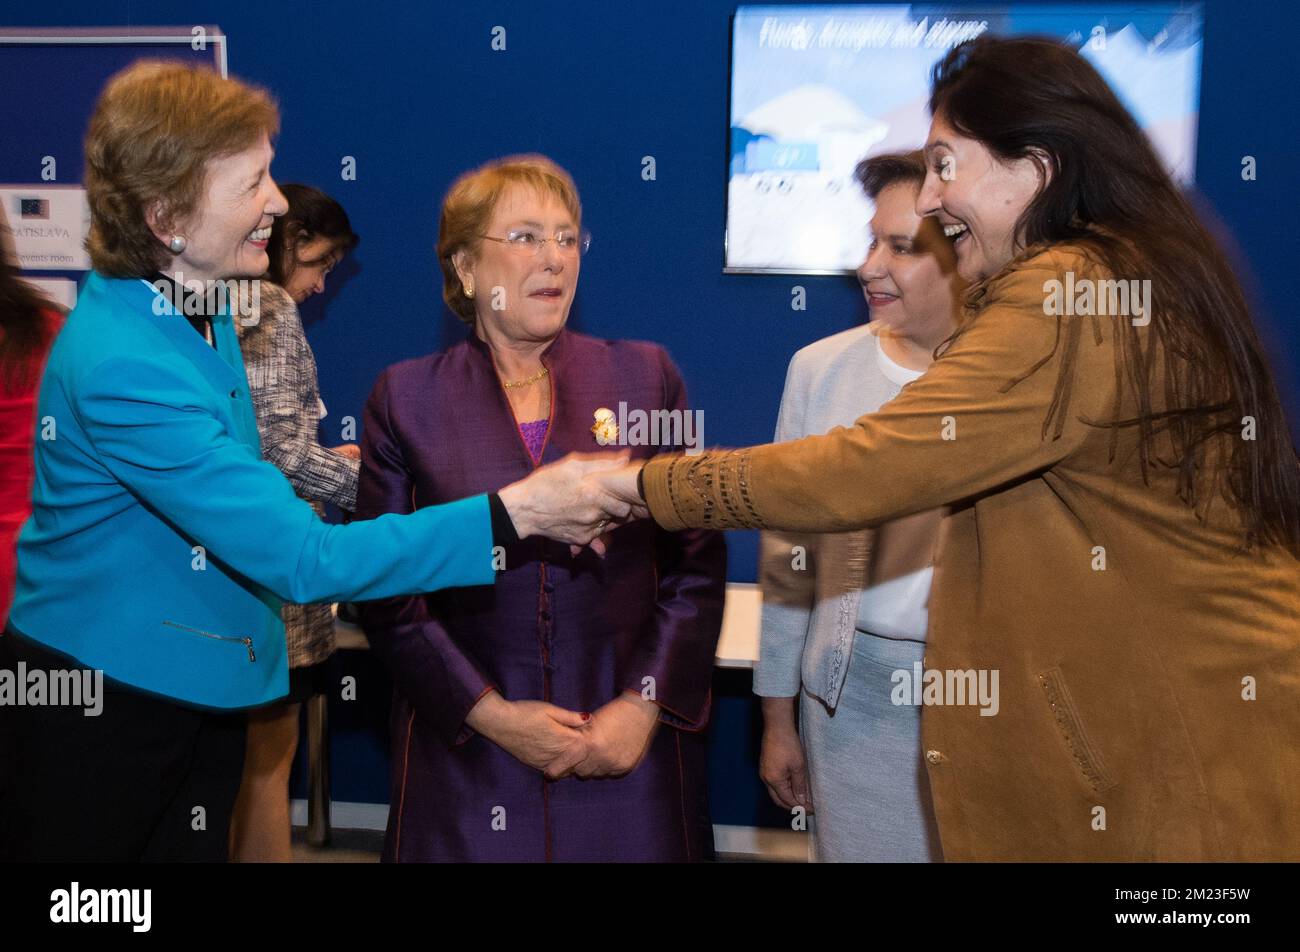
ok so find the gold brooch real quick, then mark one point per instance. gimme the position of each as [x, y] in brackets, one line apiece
[605, 428]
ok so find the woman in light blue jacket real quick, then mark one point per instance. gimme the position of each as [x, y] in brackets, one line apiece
[160, 546]
[844, 612]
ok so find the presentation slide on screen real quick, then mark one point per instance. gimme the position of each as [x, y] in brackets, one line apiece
[814, 90]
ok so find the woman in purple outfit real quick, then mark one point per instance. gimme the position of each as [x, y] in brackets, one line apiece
[557, 715]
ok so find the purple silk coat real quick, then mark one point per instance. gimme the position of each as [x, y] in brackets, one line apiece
[575, 631]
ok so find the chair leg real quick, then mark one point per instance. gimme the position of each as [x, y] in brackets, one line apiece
[318, 771]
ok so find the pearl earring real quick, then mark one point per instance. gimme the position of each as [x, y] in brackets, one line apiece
[177, 244]
[469, 290]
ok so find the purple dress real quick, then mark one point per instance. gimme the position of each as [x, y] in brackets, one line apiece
[575, 631]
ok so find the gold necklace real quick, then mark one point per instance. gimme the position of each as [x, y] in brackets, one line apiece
[526, 381]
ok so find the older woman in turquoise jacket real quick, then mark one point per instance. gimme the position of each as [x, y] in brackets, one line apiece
[160, 546]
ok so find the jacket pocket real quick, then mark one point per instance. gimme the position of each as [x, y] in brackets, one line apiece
[1066, 714]
[237, 639]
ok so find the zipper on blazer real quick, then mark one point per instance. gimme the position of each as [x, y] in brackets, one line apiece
[246, 642]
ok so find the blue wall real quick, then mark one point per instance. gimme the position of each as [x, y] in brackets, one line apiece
[415, 93]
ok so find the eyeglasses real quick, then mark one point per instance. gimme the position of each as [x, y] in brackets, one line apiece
[527, 243]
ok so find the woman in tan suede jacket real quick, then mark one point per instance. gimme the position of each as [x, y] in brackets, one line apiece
[1122, 546]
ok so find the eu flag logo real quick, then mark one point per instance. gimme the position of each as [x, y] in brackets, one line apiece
[34, 208]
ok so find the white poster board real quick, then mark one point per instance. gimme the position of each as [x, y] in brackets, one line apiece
[49, 225]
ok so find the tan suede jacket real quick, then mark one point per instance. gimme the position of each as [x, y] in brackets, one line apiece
[1148, 669]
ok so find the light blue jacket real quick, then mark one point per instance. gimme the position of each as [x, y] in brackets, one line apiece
[811, 594]
[161, 545]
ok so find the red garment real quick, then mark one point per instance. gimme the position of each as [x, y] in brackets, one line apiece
[17, 440]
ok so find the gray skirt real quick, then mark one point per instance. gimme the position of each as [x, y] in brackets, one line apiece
[870, 790]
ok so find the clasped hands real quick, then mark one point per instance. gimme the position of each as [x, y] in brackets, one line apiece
[560, 742]
[577, 500]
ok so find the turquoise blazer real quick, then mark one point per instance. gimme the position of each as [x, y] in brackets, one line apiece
[161, 545]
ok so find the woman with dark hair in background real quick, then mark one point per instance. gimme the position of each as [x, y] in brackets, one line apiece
[1122, 548]
[28, 324]
[307, 242]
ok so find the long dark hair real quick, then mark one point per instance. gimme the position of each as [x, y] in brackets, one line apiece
[1110, 194]
[24, 331]
[312, 214]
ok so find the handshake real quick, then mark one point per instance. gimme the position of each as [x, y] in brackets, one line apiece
[577, 499]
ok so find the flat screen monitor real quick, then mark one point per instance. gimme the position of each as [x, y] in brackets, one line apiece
[816, 89]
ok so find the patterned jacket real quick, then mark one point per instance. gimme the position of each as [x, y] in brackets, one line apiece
[286, 396]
